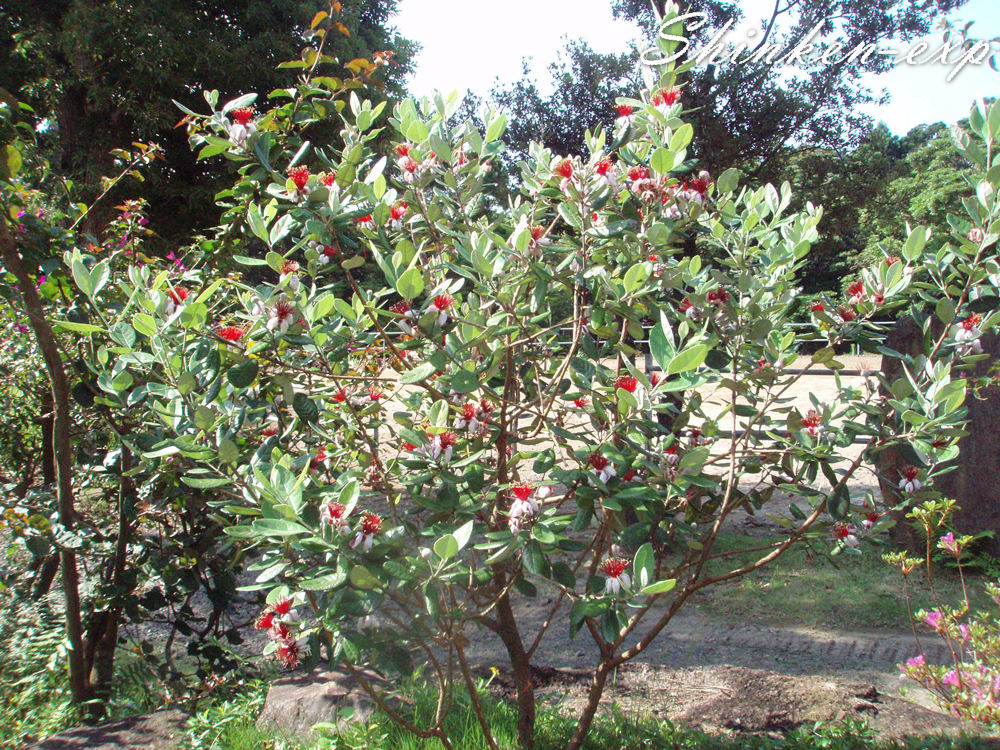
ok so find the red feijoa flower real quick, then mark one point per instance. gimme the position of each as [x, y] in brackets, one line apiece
[812, 419]
[340, 396]
[330, 251]
[522, 490]
[627, 383]
[469, 412]
[892, 259]
[178, 294]
[614, 567]
[686, 305]
[581, 402]
[265, 621]
[536, 233]
[290, 266]
[282, 606]
[399, 209]
[371, 523]
[846, 314]
[873, 517]
[329, 179]
[443, 302]
[565, 169]
[242, 115]
[603, 166]
[699, 185]
[910, 472]
[317, 461]
[638, 173]
[289, 652]
[375, 394]
[299, 176]
[719, 297]
[842, 530]
[403, 149]
[598, 462]
[624, 110]
[334, 511]
[670, 96]
[855, 289]
[409, 164]
[230, 333]
[972, 321]
[402, 307]
[448, 439]
[817, 307]
[654, 379]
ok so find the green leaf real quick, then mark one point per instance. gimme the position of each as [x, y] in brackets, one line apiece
[635, 277]
[464, 381]
[533, 557]
[324, 583]
[228, 452]
[446, 547]
[839, 503]
[643, 566]
[728, 181]
[305, 408]
[144, 324]
[496, 128]
[418, 374]
[682, 137]
[205, 483]
[279, 527]
[410, 284]
[361, 578]
[351, 263]
[660, 587]
[687, 360]
[945, 310]
[257, 223]
[77, 327]
[242, 374]
[463, 534]
[662, 160]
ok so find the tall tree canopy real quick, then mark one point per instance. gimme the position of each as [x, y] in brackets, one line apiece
[753, 114]
[104, 73]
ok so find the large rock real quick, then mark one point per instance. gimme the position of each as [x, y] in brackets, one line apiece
[162, 730]
[295, 703]
[973, 483]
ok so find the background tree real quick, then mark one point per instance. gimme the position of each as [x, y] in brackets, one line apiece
[102, 75]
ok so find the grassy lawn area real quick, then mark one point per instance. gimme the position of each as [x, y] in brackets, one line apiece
[813, 590]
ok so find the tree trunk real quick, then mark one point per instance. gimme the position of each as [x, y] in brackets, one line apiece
[62, 452]
[522, 672]
[590, 710]
[45, 422]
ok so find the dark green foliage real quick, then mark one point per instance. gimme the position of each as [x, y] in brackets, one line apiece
[104, 74]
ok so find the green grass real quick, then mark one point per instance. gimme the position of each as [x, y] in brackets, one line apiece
[229, 725]
[846, 592]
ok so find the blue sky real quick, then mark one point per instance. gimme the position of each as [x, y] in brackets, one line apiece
[464, 48]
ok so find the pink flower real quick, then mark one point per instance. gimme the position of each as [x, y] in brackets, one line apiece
[916, 662]
[951, 678]
[947, 542]
[933, 619]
